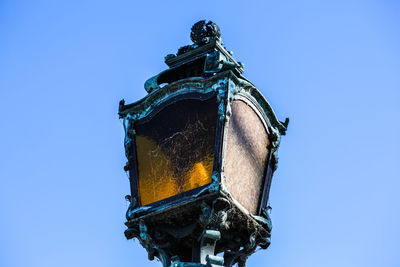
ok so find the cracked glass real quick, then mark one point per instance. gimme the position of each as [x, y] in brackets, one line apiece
[175, 149]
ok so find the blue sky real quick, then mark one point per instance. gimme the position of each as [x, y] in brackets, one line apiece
[331, 66]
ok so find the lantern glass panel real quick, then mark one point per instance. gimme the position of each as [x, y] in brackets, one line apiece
[175, 149]
[246, 156]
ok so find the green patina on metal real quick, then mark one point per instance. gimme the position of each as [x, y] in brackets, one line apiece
[208, 214]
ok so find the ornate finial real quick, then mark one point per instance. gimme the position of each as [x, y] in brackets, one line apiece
[202, 31]
[206, 37]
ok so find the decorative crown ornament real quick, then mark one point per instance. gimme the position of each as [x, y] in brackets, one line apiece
[202, 30]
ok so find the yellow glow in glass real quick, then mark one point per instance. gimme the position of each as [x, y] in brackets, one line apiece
[157, 178]
[199, 175]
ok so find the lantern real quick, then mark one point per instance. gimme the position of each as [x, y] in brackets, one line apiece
[201, 150]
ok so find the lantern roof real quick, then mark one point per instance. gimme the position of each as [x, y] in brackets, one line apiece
[192, 66]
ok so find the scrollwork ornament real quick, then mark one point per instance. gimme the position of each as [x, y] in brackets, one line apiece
[152, 248]
[215, 217]
[202, 31]
[221, 100]
[241, 256]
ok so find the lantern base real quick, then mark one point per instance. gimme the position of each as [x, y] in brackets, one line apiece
[192, 235]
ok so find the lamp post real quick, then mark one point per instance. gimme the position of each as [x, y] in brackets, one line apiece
[201, 149]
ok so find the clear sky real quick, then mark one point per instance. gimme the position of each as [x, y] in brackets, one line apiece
[332, 66]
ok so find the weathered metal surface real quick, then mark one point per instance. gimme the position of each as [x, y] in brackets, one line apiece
[181, 228]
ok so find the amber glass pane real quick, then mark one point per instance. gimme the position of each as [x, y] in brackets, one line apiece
[175, 149]
[246, 156]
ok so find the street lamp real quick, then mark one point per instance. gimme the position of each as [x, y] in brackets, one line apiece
[201, 149]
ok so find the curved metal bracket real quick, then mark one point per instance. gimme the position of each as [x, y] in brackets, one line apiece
[152, 248]
[208, 241]
[241, 256]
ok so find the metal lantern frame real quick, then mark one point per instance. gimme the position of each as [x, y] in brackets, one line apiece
[226, 87]
[205, 71]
